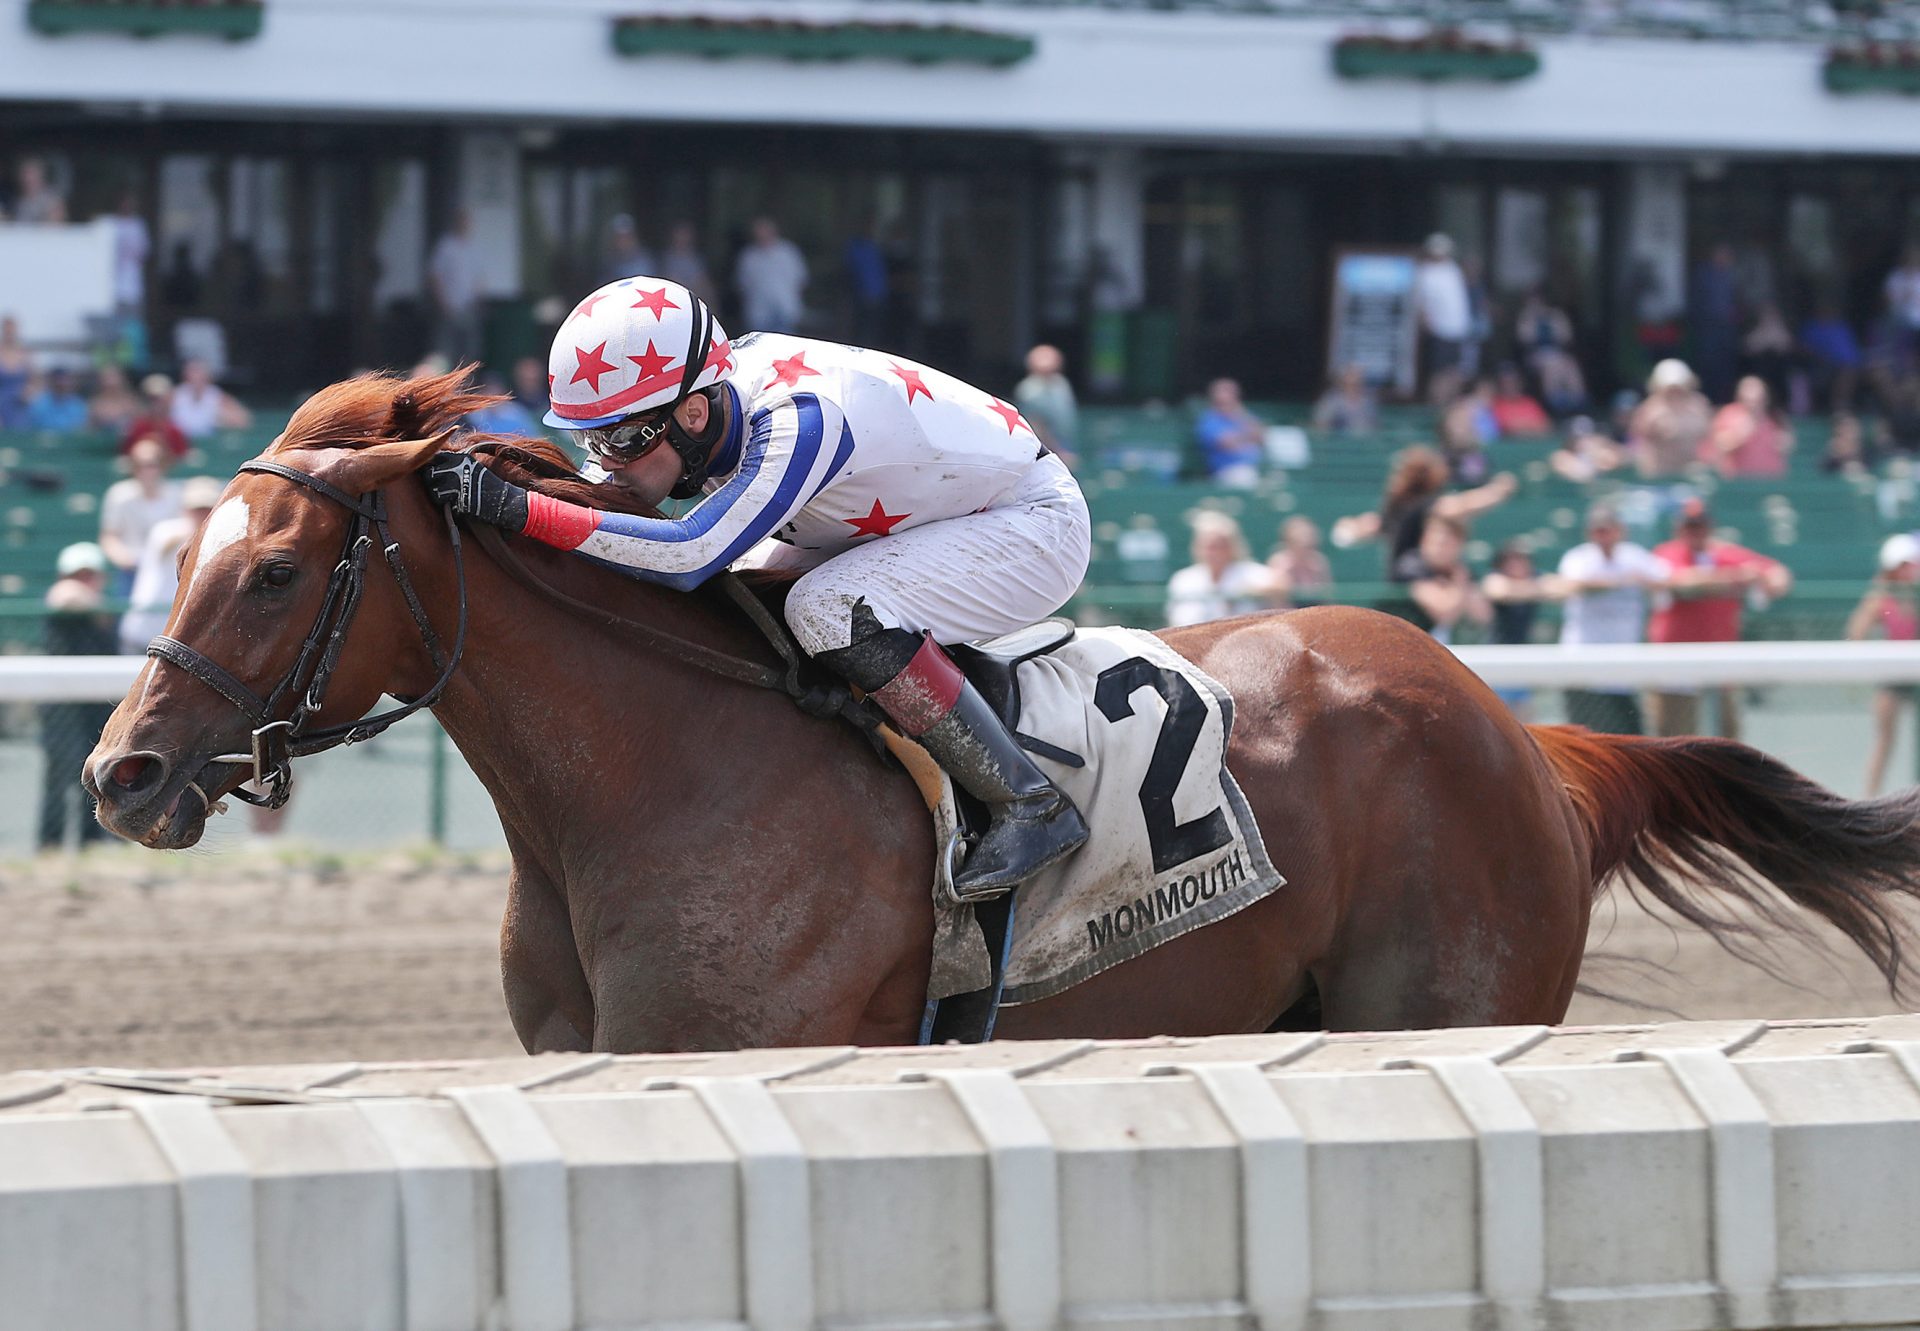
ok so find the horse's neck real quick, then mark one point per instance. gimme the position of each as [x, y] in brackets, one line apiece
[562, 720]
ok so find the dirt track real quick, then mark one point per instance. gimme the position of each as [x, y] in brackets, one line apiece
[133, 959]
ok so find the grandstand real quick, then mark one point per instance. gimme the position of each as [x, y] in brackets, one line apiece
[1826, 528]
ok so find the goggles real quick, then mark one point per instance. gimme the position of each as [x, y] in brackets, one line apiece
[626, 442]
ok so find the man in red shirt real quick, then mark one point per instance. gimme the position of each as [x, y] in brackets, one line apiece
[1708, 583]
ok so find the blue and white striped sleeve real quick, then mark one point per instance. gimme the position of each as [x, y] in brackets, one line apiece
[793, 448]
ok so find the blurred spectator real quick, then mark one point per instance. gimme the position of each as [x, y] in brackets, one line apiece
[506, 416]
[1348, 406]
[683, 263]
[1445, 308]
[1672, 424]
[771, 274]
[1888, 611]
[200, 407]
[57, 406]
[1587, 453]
[1515, 590]
[1222, 580]
[1543, 335]
[1479, 316]
[1444, 593]
[1833, 355]
[180, 285]
[1413, 495]
[78, 624]
[453, 274]
[1903, 297]
[626, 256]
[132, 246]
[1705, 585]
[1900, 416]
[530, 385]
[1301, 573]
[1848, 453]
[37, 201]
[1713, 316]
[1232, 439]
[1768, 351]
[865, 263]
[155, 420]
[133, 507]
[1516, 414]
[1046, 398]
[1466, 428]
[114, 406]
[1748, 438]
[1605, 581]
[16, 368]
[158, 577]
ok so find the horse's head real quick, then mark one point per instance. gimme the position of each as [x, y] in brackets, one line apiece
[258, 582]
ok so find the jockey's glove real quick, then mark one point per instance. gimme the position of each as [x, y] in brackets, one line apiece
[463, 483]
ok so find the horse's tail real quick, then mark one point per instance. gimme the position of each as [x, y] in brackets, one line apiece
[1676, 815]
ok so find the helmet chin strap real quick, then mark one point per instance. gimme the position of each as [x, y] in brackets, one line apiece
[695, 450]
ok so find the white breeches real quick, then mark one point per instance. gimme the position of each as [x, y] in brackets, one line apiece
[961, 579]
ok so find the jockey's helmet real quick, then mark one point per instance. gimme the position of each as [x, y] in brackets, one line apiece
[627, 356]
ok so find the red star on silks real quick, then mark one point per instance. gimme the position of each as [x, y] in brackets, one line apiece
[653, 364]
[655, 301]
[1010, 415]
[878, 521]
[585, 307]
[592, 365]
[791, 370]
[911, 378]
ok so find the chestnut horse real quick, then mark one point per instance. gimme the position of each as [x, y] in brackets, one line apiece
[697, 864]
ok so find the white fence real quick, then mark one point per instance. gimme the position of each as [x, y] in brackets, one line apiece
[1723, 1174]
[1676, 665]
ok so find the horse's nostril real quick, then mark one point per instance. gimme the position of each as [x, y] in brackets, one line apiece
[138, 772]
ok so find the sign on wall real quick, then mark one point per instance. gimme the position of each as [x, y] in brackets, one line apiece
[1372, 318]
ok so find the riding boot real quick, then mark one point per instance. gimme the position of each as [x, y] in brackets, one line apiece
[1034, 823]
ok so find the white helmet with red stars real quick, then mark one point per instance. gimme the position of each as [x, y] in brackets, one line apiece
[627, 349]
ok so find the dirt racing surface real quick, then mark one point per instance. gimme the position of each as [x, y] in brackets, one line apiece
[127, 958]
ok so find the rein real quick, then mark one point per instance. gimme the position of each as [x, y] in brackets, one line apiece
[277, 742]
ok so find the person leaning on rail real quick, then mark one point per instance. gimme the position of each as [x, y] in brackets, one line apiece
[917, 509]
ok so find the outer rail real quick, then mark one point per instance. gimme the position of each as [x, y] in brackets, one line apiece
[1689, 1176]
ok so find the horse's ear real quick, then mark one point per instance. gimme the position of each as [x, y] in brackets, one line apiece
[362, 470]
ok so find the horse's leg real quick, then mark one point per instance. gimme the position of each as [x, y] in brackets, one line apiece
[547, 995]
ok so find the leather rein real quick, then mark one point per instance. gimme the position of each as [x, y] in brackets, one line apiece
[278, 741]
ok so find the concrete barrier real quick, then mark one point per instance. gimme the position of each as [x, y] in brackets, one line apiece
[1721, 1174]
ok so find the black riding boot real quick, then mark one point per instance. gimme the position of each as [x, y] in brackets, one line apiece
[1034, 823]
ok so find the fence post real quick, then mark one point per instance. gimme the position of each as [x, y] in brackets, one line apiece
[437, 786]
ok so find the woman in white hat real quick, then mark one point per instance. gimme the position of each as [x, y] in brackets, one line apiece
[1888, 611]
[77, 624]
[1669, 427]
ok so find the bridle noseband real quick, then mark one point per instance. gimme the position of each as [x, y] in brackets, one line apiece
[278, 741]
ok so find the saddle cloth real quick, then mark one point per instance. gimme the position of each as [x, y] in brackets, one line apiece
[1173, 845]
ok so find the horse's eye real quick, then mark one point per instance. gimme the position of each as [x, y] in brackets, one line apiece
[277, 575]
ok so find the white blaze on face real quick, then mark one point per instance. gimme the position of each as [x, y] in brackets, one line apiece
[226, 525]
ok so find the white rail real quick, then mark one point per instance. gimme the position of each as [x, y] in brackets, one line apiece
[1689, 1177]
[1637, 665]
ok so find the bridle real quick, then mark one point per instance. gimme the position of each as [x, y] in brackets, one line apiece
[278, 741]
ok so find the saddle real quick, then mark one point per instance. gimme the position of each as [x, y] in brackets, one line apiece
[992, 667]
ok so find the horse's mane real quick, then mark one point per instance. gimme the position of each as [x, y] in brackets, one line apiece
[379, 407]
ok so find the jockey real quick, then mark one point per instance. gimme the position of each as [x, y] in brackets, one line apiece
[917, 509]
